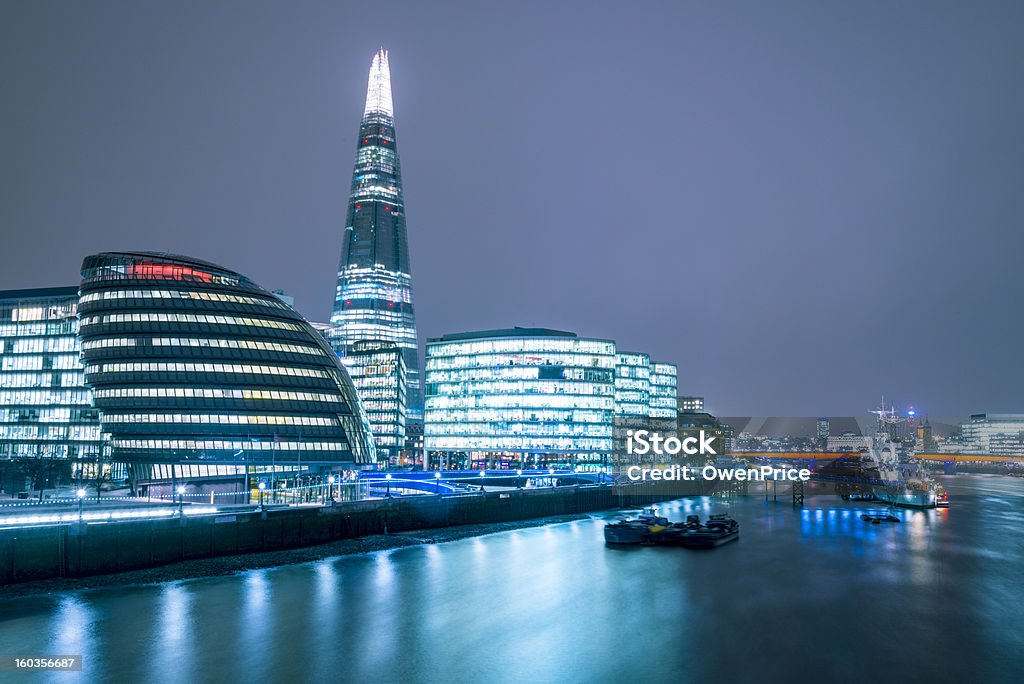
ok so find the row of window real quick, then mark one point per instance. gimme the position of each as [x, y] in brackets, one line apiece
[39, 345]
[189, 318]
[493, 361]
[521, 387]
[203, 343]
[210, 393]
[218, 419]
[176, 294]
[519, 444]
[221, 445]
[526, 401]
[566, 430]
[174, 367]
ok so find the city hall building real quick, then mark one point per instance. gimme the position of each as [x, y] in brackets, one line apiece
[200, 373]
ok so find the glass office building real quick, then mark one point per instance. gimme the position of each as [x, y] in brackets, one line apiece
[519, 396]
[373, 298]
[1000, 434]
[46, 410]
[195, 366]
[632, 400]
[377, 370]
[663, 397]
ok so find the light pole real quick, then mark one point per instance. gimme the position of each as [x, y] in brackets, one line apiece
[81, 500]
[387, 478]
[519, 479]
[330, 486]
[181, 496]
[483, 474]
[263, 485]
[437, 482]
[551, 472]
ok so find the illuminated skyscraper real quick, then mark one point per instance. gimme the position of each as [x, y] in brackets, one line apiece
[373, 299]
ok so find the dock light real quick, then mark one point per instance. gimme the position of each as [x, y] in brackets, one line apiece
[181, 503]
[81, 500]
[519, 475]
[437, 482]
[262, 485]
[330, 487]
[388, 479]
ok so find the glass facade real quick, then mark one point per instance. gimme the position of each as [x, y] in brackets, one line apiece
[523, 394]
[1000, 434]
[663, 397]
[377, 370]
[192, 363]
[373, 298]
[45, 408]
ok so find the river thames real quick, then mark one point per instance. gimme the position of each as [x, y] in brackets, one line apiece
[812, 595]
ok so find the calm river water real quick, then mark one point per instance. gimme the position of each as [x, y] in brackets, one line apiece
[814, 596]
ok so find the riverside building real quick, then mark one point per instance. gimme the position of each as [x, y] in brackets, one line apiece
[199, 373]
[377, 370]
[49, 431]
[525, 397]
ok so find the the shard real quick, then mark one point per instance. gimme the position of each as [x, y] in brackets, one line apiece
[373, 299]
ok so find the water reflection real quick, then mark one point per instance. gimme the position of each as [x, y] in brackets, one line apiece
[933, 597]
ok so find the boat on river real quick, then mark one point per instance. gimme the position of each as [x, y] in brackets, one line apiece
[636, 530]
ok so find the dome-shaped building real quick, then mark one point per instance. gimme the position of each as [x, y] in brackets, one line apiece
[195, 366]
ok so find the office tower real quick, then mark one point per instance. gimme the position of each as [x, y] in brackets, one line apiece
[373, 298]
[377, 370]
[46, 413]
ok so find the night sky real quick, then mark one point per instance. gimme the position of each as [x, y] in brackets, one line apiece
[803, 205]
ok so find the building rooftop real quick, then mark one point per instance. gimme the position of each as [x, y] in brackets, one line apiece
[504, 332]
[40, 292]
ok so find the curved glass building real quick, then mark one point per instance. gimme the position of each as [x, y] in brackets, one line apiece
[527, 395]
[190, 362]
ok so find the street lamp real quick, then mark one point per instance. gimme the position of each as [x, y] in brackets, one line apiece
[482, 475]
[551, 471]
[437, 481]
[181, 496]
[519, 475]
[81, 500]
[388, 479]
[263, 485]
[330, 482]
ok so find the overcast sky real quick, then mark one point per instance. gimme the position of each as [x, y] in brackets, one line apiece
[803, 205]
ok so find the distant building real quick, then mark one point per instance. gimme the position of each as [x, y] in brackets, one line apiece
[377, 370]
[848, 441]
[824, 430]
[994, 433]
[690, 404]
[200, 373]
[520, 396]
[925, 440]
[46, 412]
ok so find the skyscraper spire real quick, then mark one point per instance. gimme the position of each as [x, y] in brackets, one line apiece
[378, 90]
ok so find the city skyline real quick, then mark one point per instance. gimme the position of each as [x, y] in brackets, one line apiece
[812, 218]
